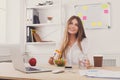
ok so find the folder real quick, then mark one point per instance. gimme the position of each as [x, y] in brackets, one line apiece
[100, 73]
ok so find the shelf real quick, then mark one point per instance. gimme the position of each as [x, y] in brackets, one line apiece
[41, 7]
[43, 24]
[40, 43]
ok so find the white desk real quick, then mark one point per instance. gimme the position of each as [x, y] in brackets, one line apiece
[8, 72]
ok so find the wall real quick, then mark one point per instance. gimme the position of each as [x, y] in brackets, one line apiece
[13, 21]
[10, 31]
[2, 21]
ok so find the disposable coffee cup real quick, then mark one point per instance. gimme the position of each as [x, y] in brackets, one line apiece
[98, 60]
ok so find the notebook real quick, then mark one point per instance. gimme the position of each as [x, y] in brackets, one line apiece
[17, 55]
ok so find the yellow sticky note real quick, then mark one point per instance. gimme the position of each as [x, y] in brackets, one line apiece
[82, 22]
[85, 7]
[104, 6]
[99, 23]
[79, 14]
[93, 24]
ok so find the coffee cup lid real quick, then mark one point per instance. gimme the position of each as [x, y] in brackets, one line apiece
[98, 55]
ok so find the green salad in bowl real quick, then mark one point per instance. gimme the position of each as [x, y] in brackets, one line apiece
[59, 62]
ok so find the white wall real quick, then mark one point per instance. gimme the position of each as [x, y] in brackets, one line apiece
[13, 21]
[2, 21]
[105, 40]
[10, 28]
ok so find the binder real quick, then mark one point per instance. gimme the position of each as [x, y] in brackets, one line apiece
[29, 16]
[30, 34]
[36, 19]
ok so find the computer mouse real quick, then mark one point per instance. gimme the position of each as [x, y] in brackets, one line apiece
[57, 71]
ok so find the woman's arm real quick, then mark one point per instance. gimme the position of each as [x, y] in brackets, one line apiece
[56, 56]
[85, 47]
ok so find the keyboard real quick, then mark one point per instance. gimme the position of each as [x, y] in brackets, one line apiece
[31, 69]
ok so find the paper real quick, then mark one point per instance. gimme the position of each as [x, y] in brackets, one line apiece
[84, 17]
[100, 73]
[104, 6]
[85, 7]
[99, 23]
[80, 14]
[93, 24]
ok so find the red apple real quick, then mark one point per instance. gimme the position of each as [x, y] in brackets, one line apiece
[32, 61]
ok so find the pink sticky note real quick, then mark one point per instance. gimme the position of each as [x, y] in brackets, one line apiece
[106, 11]
[84, 17]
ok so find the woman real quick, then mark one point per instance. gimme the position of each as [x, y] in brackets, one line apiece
[74, 42]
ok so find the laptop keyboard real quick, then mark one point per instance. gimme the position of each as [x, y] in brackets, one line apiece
[31, 69]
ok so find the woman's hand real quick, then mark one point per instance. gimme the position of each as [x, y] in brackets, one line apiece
[51, 61]
[87, 63]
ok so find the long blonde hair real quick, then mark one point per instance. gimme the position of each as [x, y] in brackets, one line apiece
[79, 36]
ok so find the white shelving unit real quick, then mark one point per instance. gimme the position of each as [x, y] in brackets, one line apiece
[42, 24]
[41, 7]
[41, 43]
[49, 31]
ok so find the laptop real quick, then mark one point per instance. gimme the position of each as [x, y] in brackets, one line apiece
[17, 55]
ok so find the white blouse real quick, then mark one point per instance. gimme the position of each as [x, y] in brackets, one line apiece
[74, 52]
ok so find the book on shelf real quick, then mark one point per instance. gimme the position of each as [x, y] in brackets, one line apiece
[31, 31]
[36, 19]
[30, 34]
[36, 36]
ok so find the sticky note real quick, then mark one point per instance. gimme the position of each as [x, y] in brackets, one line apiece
[79, 14]
[106, 11]
[93, 24]
[85, 7]
[104, 6]
[84, 17]
[99, 24]
[83, 22]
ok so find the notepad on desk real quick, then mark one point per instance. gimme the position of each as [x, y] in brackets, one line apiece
[100, 73]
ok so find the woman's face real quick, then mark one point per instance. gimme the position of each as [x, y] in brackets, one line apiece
[73, 27]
